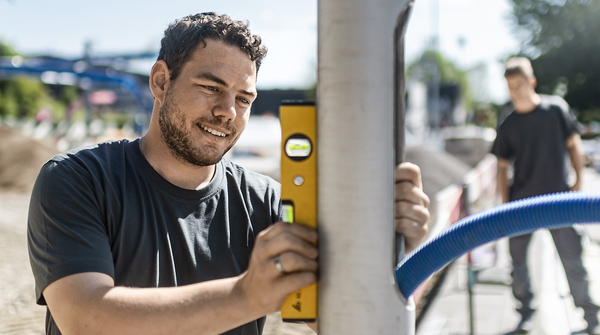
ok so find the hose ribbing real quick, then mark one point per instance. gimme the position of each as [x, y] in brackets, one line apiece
[507, 220]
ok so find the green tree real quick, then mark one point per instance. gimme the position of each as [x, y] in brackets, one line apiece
[6, 50]
[8, 105]
[449, 73]
[561, 37]
[21, 96]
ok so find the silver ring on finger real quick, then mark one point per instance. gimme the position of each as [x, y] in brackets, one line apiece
[278, 265]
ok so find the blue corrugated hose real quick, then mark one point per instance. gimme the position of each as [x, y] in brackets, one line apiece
[510, 219]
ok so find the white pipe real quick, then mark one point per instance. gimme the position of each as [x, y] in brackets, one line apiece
[355, 91]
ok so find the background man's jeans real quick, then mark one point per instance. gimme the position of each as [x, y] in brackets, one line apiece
[568, 245]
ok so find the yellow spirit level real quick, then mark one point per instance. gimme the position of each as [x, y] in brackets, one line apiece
[299, 190]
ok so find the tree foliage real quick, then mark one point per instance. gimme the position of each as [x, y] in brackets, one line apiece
[561, 37]
[20, 96]
[6, 50]
[448, 71]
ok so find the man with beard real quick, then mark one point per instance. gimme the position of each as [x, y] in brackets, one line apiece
[161, 235]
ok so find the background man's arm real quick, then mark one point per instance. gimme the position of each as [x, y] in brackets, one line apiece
[502, 178]
[89, 303]
[574, 146]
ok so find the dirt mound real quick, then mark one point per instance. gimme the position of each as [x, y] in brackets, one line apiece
[438, 168]
[20, 160]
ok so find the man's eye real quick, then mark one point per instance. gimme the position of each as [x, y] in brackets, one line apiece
[211, 88]
[244, 100]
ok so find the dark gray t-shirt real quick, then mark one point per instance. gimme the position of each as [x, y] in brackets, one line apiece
[535, 142]
[104, 209]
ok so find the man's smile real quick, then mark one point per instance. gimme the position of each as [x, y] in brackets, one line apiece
[212, 131]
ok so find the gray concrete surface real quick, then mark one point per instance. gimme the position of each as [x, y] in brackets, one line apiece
[494, 311]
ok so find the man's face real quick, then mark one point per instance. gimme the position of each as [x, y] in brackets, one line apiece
[520, 87]
[207, 107]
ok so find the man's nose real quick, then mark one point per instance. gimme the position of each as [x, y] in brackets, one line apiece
[225, 108]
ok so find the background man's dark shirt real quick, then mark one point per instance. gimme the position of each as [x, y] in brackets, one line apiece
[535, 143]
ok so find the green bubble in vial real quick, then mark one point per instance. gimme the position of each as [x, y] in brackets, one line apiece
[288, 213]
[299, 146]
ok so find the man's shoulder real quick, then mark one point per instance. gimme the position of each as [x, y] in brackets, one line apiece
[97, 150]
[82, 170]
[549, 102]
[508, 121]
[104, 156]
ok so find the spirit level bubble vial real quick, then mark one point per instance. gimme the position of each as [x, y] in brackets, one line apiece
[299, 190]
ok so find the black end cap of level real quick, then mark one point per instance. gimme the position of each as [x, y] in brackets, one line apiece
[297, 102]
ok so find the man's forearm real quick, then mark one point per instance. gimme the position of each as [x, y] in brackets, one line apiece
[503, 187]
[576, 155]
[577, 162]
[205, 308]
[502, 179]
[89, 303]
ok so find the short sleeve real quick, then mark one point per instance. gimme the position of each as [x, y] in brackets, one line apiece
[569, 123]
[501, 147]
[65, 230]
[276, 206]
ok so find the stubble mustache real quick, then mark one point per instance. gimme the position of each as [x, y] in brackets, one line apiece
[218, 124]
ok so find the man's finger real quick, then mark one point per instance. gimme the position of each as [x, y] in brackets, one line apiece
[414, 232]
[411, 229]
[411, 211]
[287, 242]
[295, 281]
[302, 232]
[293, 262]
[409, 172]
[407, 191]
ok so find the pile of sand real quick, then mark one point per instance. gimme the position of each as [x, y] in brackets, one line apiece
[20, 160]
[438, 168]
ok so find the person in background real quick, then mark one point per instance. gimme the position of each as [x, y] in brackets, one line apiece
[161, 235]
[535, 139]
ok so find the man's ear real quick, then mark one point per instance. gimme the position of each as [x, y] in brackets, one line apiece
[159, 80]
[533, 81]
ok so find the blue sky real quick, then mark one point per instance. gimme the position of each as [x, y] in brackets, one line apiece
[288, 28]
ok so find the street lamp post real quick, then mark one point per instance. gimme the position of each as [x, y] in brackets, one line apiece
[360, 107]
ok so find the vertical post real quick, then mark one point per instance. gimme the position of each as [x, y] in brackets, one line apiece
[471, 275]
[436, 114]
[356, 91]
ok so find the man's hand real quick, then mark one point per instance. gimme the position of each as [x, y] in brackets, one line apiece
[266, 285]
[412, 205]
[87, 303]
[502, 179]
[574, 146]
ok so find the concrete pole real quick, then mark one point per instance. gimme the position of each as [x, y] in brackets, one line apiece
[357, 99]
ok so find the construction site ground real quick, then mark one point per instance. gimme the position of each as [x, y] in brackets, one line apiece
[494, 308]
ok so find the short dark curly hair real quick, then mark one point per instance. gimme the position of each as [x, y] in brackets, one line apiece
[184, 35]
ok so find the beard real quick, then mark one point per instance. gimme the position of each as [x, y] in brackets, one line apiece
[174, 124]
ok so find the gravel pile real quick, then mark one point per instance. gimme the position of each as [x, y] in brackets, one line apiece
[20, 160]
[439, 169]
